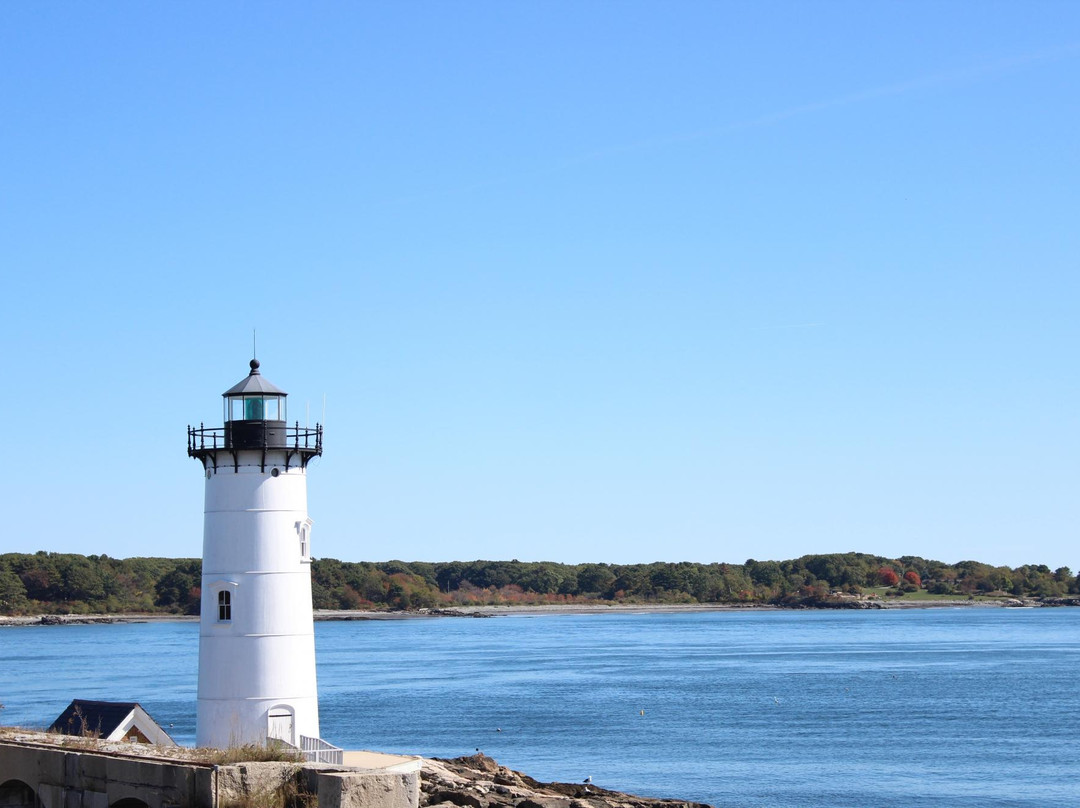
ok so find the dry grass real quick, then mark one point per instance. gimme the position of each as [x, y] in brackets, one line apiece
[252, 753]
[248, 753]
[287, 795]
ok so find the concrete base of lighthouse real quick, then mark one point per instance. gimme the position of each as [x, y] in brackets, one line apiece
[255, 722]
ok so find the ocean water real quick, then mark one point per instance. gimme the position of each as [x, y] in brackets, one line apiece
[934, 707]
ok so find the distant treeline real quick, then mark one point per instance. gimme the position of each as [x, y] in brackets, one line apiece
[45, 583]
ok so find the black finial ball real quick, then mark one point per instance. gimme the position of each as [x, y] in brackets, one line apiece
[254, 364]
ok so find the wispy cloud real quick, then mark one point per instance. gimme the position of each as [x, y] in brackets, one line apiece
[958, 77]
[961, 76]
[786, 327]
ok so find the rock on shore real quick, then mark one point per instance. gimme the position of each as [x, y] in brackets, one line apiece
[478, 781]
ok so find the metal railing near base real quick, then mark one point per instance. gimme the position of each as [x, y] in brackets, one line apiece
[317, 750]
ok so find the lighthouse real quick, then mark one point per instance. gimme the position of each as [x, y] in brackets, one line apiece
[256, 635]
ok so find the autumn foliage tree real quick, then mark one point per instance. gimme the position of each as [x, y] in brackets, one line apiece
[913, 578]
[887, 576]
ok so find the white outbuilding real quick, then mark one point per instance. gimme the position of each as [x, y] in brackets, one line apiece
[110, 721]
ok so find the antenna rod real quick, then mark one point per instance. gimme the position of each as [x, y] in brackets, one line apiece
[253, 356]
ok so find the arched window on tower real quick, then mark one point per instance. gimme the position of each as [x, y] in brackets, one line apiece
[224, 606]
[303, 530]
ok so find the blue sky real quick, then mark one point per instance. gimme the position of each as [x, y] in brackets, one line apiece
[578, 281]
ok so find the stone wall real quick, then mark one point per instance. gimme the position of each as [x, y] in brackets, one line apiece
[76, 777]
[48, 771]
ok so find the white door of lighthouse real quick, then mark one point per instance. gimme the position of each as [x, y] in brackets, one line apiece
[281, 726]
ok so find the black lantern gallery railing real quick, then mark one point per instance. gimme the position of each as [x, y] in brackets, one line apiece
[299, 444]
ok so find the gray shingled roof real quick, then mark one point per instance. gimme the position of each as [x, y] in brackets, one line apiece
[254, 384]
[92, 717]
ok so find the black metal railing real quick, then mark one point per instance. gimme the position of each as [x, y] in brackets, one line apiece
[306, 441]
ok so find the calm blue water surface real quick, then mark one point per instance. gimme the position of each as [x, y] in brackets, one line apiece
[946, 707]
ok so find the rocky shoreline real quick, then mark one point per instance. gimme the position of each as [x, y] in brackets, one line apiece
[478, 781]
[569, 608]
[92, 619]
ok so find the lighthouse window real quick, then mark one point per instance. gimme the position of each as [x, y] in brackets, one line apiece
[224, 606]
[253, 409]
[303, 530]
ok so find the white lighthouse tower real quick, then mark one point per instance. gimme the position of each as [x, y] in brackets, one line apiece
[256, 636]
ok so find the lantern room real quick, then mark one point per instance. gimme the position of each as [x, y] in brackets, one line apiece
[254, 413]
[254, 419]
[254, 402]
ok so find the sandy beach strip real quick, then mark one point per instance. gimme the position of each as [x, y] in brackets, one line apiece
[491, 611]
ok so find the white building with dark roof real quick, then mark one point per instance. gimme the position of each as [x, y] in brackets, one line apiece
[110, 721]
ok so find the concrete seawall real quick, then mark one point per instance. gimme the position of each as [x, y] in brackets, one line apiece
[39, 770]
